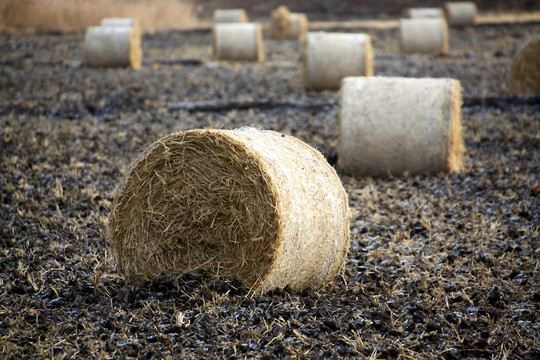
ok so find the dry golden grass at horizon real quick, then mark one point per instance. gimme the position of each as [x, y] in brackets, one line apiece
[77, 15]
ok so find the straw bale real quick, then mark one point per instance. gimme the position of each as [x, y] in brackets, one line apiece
[112, 46]
[299, 26]
[525, 68]
[238, 42]
[461, 13]
[329, 57]
[258, 205]
[230, 16]
[423, 35]
[400, 126]
[280, 23]
[425, 13]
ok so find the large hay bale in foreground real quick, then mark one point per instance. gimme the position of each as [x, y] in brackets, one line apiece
[230, 16]
[259, 205]
[414, 13]
[280, 23]
[400, 126]
[423, 36]
[238, 42]
[525, 68]
[112, 46]
[461, 13]
[329, 57]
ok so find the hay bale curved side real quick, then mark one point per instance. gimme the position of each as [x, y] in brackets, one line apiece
[238, 42]
[400, 126]
[112, 46]
[230, 16]
[525, 68]
[258, 205]
[461, 13]
[425, 13]
[329, 57]
[423, 35]
[114, 21]
[299, 26]
[280, 23]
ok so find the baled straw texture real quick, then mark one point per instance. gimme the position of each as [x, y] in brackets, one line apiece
[238, 42]
[525, 68]
[423, 35]
[112, 46]
[299, 26]
[461, 13]
[262, 206]
[400, 126]
[414, 13]
[230, 16]
[280, 23]
[329, 57]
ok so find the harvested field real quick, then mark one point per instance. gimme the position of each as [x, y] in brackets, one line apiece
[443, 266]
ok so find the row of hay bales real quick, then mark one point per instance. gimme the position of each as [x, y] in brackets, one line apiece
[265, 207]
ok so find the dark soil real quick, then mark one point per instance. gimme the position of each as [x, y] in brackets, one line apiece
[440, 266]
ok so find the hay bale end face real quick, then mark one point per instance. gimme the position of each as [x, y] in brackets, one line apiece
[329, 57]
[525, 68]
[238, 42]
[423, 36]
[280, 23]
[112, 46]
[400, 126]
[230, 16]
[259, 205]
[461, 13]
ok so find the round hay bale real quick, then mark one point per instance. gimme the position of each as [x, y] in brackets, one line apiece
[230, 16]
[112, 46]
[133, 22]
[423, 35]
[299, 26]
[525, 68]
[239, 42]
[329, 57]
[415, 13]
[280, 23]
[258, 205]
[461, 13]
[400, 126]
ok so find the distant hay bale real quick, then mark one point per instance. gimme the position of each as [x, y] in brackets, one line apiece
[238, 42]
[259, 205]
[423, 35]
[112, 46]
[525, 68]
[230, 16]
[299, 26]
[414, 13]
[400, 126]
[461, 13]
[117, 21]
[280, 23]
[329, 57]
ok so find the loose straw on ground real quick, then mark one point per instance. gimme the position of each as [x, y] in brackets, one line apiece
[423, 36]
[461, 13]
[414, 13]
[258, 205]
[525, 68]
[329, 57]
[230, 16]
[400, 126]
[238, 42]
[112, 46]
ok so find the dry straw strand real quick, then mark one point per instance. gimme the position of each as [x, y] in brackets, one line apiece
[423, 35]
[259, 205]
[525, 68]
[400, 126]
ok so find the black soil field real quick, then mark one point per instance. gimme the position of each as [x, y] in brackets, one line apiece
[442, 266]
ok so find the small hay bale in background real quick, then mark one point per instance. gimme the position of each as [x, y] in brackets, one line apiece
[259, 205]
[299, 26]
[238, 42]
[414, 13]
[230, 16]
[423, 36]
[329, 57]
[112, 46]
[280, 23]
[461, 13]
[525, 68]
[400, 126]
